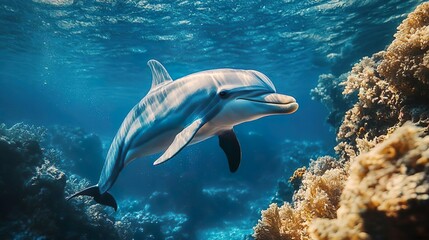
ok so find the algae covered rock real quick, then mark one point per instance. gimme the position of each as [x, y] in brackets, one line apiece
[32, 189]
[34, 182]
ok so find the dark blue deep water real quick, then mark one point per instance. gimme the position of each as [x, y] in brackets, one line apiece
[78, 63]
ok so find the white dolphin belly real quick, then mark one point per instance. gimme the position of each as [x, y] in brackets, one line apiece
[150, 145]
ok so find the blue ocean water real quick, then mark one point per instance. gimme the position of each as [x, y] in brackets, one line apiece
[83, 64]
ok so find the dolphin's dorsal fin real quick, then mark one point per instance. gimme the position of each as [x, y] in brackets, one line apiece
[160, 76]
[180, 141]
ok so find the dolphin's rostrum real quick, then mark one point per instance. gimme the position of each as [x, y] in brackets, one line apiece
[189, 110]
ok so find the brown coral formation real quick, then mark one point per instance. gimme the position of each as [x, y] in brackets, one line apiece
[386, 195]
[392, 88]
[406, 62]
[317, 198]
[296, 178]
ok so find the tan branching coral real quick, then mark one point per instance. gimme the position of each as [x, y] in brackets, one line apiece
[387, 193]
[406, 62]
[392, 88]
[318, 197]
[377, 110]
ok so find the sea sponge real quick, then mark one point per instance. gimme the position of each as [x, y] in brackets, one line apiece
[387, 193]
[318, 197]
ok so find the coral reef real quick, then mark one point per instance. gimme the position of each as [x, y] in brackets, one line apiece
[295, 154]
[81, 151]
[391, 86]
[387, 193]
[406, 62]
[378, 188]
[33, 188]
[32, 193]
[318, 197]
[136, 222]
[296, 178]
[329, 91]
[21, 132]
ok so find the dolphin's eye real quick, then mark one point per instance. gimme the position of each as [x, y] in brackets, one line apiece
[223, 94]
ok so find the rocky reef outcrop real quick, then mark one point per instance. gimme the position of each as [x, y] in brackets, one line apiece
[329, 91]
[35, 179]
[33, 193]
[378, 187]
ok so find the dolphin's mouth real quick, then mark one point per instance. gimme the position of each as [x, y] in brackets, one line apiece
[266, 102]
[283, 101]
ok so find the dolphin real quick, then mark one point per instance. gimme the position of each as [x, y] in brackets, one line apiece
[191, 109]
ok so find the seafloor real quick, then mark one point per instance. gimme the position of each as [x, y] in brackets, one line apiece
[377, 187]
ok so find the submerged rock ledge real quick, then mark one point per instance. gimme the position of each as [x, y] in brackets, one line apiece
[34, 181]
[379, 186]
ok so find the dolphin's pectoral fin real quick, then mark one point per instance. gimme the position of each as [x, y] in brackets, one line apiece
[180, 141]
[160, 75]
[229, 143]
[93, 191]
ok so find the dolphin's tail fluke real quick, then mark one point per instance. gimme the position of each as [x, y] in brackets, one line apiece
[93, 191]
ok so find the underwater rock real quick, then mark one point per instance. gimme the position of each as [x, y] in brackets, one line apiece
[21, 132]
[387, 193]
[32, 192]
[135, 221]
[82, 151]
